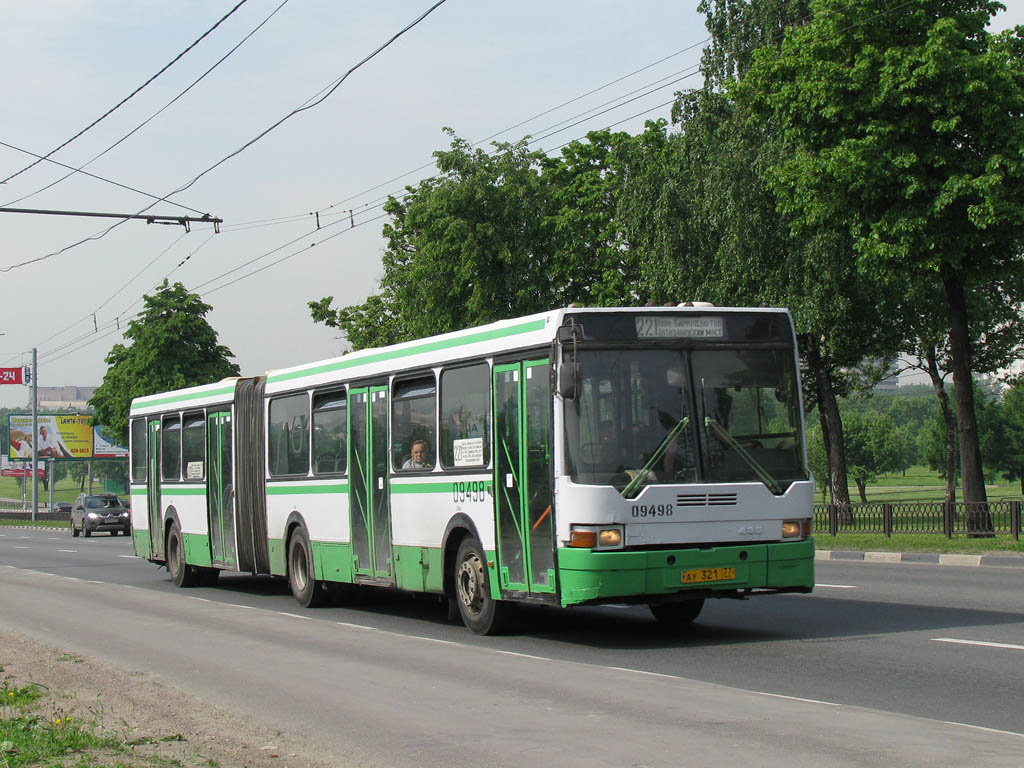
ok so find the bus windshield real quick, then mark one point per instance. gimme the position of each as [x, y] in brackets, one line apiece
[657, 416]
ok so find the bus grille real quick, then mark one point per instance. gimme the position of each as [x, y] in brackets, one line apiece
[706, 499]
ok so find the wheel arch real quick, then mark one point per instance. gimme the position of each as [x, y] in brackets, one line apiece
[459, 527]
[171, 516]
[294, 522]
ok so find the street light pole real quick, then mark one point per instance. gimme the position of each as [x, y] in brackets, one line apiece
[35, 434]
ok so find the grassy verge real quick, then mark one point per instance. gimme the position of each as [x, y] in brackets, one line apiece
[35, 733]
[915, 542]
[63, 524]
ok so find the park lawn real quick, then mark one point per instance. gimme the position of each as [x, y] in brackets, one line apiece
[919, 483]
[67, 489]
[920, 542]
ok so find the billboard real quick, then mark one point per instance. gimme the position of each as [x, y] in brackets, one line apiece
[60, 436]
[104, 449]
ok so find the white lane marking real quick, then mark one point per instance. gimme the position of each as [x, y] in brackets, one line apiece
[200, 599]
[293, 615]
[983, 728]
[979, 642]
[130, 557]
[19, 547]
[645, 672]
[524, 655]
[356, 626]
[798, 698]
[67, 550]
[834, 586]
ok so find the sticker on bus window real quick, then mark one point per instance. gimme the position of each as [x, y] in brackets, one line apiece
[469, 452]
[194, 470]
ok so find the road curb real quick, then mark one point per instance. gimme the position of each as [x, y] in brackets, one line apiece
[923, 558]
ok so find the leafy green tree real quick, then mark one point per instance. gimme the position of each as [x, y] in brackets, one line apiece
[873, 446]
[466, 247]
[734, 247]
[904, 125]
[496, 235]
[1011, 413]
[172, 346]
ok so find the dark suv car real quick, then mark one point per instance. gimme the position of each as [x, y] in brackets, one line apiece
[100, 512]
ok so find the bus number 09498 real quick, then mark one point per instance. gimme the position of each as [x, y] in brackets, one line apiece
[652, 510]
[474, 490]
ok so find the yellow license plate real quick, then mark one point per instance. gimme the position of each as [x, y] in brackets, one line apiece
[708, 574]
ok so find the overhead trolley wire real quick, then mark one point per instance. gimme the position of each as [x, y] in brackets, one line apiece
[314, 101]
[145, 122]
[130, 95]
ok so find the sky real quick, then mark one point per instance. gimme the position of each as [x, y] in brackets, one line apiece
[495, 70]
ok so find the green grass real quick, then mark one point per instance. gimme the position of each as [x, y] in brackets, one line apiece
[33, 732]
[918, 542]
[921, 484]
[66, 489]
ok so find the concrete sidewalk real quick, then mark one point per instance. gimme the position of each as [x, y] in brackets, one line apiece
[925, 558]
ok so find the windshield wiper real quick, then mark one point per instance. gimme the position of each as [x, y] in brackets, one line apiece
[763, 475]
[639, 480]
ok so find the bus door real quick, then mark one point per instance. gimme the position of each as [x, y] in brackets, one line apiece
[369, 497]
[522, 479]
[220, 484]
[156, 532]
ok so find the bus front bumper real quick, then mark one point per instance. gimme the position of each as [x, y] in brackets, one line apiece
[719, 571]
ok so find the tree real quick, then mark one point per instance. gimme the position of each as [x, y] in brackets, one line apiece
[735, 248]
[172, 346]
[905, 125]
[1012, 417]
[873, 446]
[496, 235]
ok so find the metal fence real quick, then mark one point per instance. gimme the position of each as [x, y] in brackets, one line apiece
[889, 518]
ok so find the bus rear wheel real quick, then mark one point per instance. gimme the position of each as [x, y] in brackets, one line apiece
[678, 614]
[307, 590]
[182, 574]
[481, 614]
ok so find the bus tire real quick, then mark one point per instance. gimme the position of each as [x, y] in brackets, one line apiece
[677, 614]
[301, 574]
[182, 574]
[481, 614]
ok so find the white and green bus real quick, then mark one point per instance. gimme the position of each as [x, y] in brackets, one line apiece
[578, 456]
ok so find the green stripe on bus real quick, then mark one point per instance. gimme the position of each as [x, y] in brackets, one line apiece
[166, 399]
[180, 490]
[431, 346]
[434, 487]
[139, 492]
[282, 490]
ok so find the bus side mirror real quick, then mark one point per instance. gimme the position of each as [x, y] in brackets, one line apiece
[569, 380]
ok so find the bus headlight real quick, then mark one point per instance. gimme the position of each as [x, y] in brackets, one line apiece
[596, 536]
[796, 529]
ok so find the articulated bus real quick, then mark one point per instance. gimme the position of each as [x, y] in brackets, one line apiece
[574, 457]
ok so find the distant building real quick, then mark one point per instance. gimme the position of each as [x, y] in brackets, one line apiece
[67, 398]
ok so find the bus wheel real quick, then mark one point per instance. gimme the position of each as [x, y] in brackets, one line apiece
[182, 574]
[481, 614]
[307, 590]
[675, 615]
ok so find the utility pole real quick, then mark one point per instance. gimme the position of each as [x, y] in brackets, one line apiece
[35, 433]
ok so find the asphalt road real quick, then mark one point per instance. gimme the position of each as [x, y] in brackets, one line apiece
[883, 663]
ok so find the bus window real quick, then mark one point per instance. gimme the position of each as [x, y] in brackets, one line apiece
[465, 403]
[170, 448]
[288, 435]
[193, 446]
[412, 423]
[330, 428]
[138, 450]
